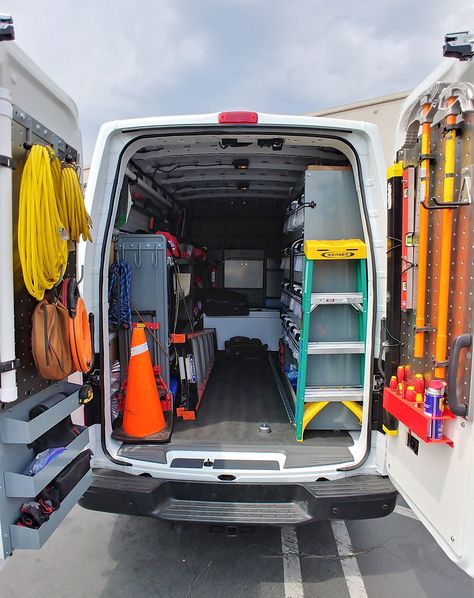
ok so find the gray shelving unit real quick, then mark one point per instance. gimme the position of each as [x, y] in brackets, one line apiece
[329, 210]
[17, 432]
[146, 255]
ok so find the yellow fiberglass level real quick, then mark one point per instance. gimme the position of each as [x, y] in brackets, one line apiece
[341, 249]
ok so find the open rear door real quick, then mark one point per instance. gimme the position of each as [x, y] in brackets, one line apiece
[430, 315]
[35, 412]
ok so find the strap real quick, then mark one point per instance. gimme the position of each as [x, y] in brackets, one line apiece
[70, 295]
[44, 308]
[64, 289]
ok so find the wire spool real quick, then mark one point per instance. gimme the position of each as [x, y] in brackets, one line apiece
[80, 338]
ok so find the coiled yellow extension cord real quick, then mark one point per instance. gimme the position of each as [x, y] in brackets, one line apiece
[42, 240]
[51, 211]
[76, 221]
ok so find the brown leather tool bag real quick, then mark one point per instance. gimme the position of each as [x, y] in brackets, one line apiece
[50, 340]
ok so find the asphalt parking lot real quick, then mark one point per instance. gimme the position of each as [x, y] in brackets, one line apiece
[98, 554]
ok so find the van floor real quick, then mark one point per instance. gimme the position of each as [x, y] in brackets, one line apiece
[241, 395]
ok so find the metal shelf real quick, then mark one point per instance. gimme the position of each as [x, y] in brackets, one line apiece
[24, 537]
[20, 485]
[16, 426]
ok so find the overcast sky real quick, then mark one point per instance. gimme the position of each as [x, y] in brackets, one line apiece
[121, 59]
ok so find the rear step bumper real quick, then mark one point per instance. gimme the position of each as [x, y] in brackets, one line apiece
[358, 497]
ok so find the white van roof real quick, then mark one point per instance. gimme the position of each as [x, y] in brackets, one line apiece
[263, 119]
[35, 93]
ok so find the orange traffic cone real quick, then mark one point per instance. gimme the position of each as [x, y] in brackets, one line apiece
[143, 414]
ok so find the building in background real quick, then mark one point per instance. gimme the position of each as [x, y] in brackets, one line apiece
[383, 112]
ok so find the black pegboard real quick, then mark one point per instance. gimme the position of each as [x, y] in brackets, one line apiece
[26, 129]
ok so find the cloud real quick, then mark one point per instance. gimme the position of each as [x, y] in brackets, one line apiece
[119, 59]
[114, 60]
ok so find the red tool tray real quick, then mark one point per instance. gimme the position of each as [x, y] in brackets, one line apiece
[412, 415]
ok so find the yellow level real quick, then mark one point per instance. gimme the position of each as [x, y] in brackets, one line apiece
[342, 249]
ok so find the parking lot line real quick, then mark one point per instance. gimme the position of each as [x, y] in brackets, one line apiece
[350, 567]
[291, 563]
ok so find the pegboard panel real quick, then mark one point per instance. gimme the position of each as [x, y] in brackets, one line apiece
[461, 302]
[25, 128]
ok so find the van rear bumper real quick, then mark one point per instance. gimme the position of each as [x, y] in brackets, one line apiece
[358, 497]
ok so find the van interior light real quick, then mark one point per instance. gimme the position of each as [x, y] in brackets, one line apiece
[241, 164]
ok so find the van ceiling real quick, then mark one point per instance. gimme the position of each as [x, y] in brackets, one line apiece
[231, 166]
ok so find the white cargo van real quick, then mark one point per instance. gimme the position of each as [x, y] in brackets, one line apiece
[253, 250]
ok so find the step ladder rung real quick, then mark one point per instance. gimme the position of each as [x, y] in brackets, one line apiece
[346, 393]
[335, 298]
[327, 348]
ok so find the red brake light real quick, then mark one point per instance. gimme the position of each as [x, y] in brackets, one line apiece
[238, 117]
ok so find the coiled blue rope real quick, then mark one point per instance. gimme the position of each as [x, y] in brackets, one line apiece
[120, 273]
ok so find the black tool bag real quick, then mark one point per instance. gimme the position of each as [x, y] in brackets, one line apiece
[223, 302]
[60, 435]
[243, 347]
[33, 514]
[65, 481]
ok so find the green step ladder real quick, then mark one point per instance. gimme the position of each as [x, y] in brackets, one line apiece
[311, 400]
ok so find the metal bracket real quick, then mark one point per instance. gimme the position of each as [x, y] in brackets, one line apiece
[463, 91]
[8, 366]
[439, 205]
[36, 132]
[423, 329]
[440, 364]
[6, 161]
[92, 377]
[301, 206]
[430, 157]
[458, 127]
[459, 45]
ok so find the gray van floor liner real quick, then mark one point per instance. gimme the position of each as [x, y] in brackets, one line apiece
[241, 395]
